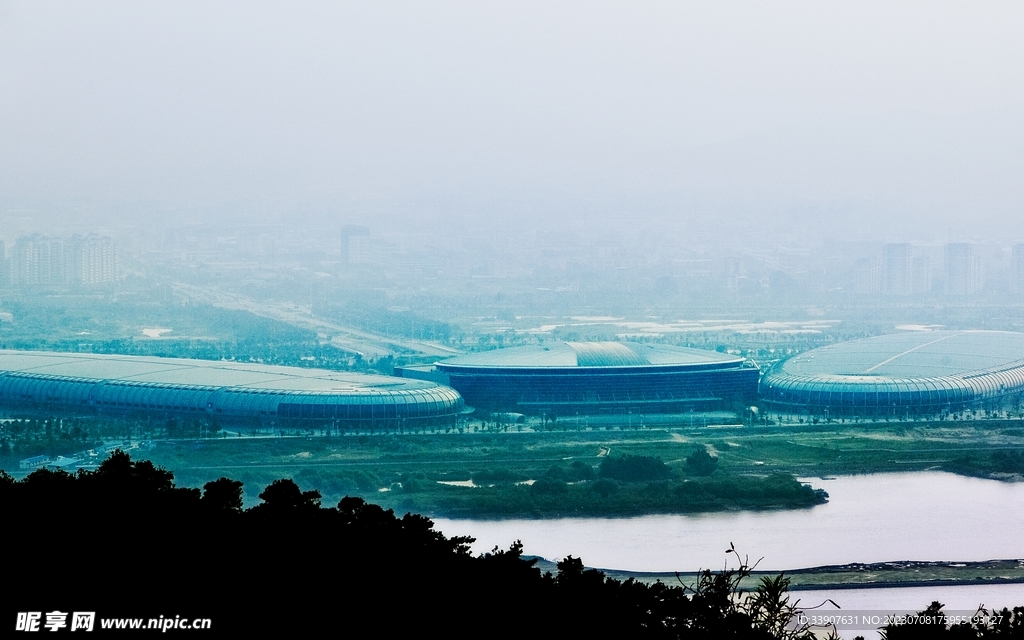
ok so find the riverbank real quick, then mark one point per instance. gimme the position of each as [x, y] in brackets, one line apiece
[872, 518]
[858, 575]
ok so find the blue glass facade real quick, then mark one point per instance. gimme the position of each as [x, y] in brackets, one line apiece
[594, 378]
[876, 376]
[567, 392]
[287, 395]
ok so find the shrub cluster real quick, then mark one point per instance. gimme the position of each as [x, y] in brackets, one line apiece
[634, 468]
[623, 486]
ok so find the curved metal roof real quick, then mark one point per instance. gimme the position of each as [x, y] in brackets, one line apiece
[916, 354]
[606, 354]
[178, 372]
[189, 373]
[165, 386]
[574, 355]
[920, 371]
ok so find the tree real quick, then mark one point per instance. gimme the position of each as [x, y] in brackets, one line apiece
[701, 463]
[223, 495]
[132, 512]
[770, 609]
[605, 487]
[634, 468]
[285, 495]
[549, 487]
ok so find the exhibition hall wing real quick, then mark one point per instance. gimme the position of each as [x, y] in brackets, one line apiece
[73, 383]
[914, 373]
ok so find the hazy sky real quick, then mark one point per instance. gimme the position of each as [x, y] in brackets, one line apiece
[863, 119]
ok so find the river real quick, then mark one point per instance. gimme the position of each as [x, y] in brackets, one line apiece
[869, 518]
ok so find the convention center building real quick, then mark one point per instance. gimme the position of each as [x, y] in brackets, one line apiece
[80, 384]
[568, 378]
[912, 373]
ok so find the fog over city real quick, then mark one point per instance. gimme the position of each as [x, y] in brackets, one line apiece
[792, 121]
[633, 281]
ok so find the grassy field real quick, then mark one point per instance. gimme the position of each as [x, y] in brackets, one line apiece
[551, 474]
[489, 475]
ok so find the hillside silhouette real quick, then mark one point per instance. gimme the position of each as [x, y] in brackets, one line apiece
[124, 540]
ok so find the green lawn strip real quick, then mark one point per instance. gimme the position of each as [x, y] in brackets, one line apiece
[977, 449]
[364, 465]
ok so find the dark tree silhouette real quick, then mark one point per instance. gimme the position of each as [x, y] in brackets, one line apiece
[285, 494]
[125, 541]
[223, 495]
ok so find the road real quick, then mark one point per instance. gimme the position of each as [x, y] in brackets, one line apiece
[365, 343]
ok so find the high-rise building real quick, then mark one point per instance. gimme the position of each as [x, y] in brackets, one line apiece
[1018, 266]
[355, 244]
[921, 277]
[23, 263]
[963, 269]
[897, 261]
[38, 260]
[867, 276]
[93, 260]
[42, 261]
[50, 252]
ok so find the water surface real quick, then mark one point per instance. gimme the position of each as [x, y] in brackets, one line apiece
[869, 518]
